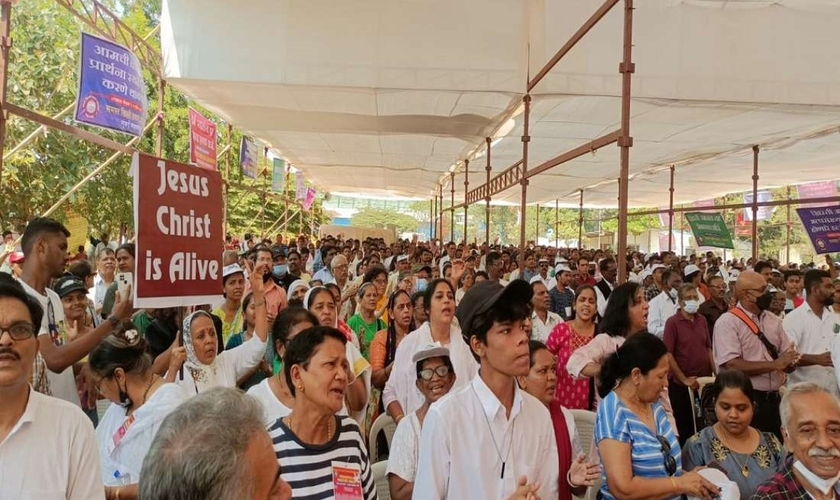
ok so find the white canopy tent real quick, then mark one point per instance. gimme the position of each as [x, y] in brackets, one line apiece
[385, 96]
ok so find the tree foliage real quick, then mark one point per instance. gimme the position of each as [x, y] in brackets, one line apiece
[381, 218]
[43, 77]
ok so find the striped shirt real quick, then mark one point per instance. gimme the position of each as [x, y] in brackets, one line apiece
[309, 468]
[615, 421]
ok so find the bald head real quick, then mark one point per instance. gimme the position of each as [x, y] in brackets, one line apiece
[750, 280]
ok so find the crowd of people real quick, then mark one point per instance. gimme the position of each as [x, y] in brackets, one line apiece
[690, 366]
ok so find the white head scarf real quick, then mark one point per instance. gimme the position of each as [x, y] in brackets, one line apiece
[295, 285]
[200, 372]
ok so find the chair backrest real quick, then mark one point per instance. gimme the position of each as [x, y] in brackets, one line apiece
[380, 476]
[383, 423]
[585, 423]
[704, 381]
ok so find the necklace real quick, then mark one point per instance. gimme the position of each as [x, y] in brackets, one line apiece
[744, 468]
[493, 437]
[148, 388]
[329, 426]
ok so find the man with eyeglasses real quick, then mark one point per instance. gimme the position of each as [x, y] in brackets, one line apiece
[714, 308]
[751, 339]
[324, 275]
[35, 428]
[542, 269]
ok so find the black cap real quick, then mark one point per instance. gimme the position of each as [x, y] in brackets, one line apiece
[276, 251]
[68, 284]
[484, 295]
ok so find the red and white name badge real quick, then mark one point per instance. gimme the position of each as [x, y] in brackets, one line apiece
[347, 481]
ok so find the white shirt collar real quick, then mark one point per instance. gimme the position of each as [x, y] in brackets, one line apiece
[491, 404]
[29, 413]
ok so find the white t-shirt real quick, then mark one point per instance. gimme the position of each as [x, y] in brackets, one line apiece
[273, 409]
[122, 457]
[405, 448]
[62, 385]
[50, 454]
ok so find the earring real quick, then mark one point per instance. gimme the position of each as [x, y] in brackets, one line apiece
[300, 388]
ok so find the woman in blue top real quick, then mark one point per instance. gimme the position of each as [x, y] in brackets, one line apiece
[640, 455]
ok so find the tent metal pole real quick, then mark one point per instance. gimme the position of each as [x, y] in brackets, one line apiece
[787, 233]
[440, 212]
[286, 199]
[524, 182]
[755, 204]
[671, 211]
[580, 221]
[431, 218]
[5, 45]
[466, 189]
[487, 168]
[160, 121]
[556, 223]
[625, 141]
[452, 206]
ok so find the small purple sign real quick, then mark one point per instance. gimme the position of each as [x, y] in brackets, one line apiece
[823, 227]
[112, 93]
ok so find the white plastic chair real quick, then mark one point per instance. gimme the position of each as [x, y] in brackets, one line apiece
[383, 423]
[703, 382]
[380, 475]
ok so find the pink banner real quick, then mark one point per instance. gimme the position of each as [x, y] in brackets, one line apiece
[202, 141]
[816, 190]
[704, 203]
[310, 199]
[663, 217]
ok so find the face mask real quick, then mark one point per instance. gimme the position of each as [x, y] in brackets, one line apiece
[824, 485]
[125, 401]
[763, 302]
[673, 294]
[280, 270]
[691, 306]
[420, 284]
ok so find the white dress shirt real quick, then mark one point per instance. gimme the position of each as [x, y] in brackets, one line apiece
[402, 386]
[540, 330]
[602, 301]
[661, 307]
[467, 440]
[813, 335]
[50, 454]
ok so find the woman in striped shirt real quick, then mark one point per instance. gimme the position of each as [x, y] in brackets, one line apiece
[321, 455]
[640, 455]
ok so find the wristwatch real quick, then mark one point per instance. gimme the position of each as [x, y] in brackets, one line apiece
[115, 322]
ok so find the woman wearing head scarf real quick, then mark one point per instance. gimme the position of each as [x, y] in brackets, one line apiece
[297, 291]
[321, 302]
[202, 367]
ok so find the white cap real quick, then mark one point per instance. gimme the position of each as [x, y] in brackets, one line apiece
[654, 267]
[560, 268]
[433, 350]
[402, 258]
[231, 269]
[536, 279]
[691, 269]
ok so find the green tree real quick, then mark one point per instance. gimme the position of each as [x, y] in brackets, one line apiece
[384, 219]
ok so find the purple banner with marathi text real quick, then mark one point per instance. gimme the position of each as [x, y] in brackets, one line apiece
[112, 93]
[823, 227]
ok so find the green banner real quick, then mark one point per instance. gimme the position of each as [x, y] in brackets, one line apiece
[709, 230]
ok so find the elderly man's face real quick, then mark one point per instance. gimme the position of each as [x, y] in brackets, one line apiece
[812, 433]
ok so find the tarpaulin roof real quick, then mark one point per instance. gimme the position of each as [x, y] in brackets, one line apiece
[385, 96]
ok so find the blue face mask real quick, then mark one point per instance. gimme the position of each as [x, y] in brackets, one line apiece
[420, 284]
[280, 270]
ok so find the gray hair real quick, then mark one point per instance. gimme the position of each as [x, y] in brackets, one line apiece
[798, 390]
[684, 289]
[199, 450]
[338, 260]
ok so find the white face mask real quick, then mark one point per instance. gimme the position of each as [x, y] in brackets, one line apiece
[823, 485]
[691, 306]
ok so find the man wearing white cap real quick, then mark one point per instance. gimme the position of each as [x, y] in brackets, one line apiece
[561, 296]
[542, 274]
[657, 286]
[694, 275]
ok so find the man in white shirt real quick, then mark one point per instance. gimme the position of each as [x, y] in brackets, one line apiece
[47, 446]
[664, 305]
[450, 255]
[489, 439]
[44, 244]
[543, 320]
[813, 327]
[324, 275]
[542, 269]
[106, 266]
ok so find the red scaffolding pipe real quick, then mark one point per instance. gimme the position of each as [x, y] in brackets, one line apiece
[523, 203]
[625, 142]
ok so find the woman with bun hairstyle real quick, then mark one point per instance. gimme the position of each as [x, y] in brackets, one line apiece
[640, 454]
[122, 371]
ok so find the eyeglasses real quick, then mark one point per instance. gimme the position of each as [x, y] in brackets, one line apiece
[441, 371]
[19, 331]
[670, 461]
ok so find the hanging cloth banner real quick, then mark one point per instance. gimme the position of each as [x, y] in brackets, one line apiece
[709, 230]
[278, 175]
[823, 227]
[300, 188]
[112, 93]
[202, 141]
[249, 157]
[178, 216]
[309, 200]
[663, 218]
[816, 190]
[764, 213]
